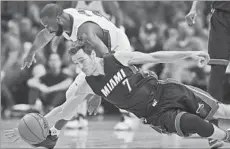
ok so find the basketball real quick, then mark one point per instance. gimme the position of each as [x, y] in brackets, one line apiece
[33, 128]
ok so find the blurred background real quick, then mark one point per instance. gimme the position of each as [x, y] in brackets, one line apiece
[150, 26]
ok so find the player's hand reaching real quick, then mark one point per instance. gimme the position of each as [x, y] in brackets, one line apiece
[202, 58]
[12, 134]
[191, 17]
[93, 103]
[28, 61]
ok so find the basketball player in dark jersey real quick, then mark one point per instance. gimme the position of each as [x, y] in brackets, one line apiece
[218, 48]
[167, 106]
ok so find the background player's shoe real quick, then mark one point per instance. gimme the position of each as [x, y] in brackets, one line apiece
[49, 142]
[214, 144]
[77, 124]
[129, 123]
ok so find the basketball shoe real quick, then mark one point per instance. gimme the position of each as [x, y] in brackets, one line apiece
[214, 144]
[50, 140]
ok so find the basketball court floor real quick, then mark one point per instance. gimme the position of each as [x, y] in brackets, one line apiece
[100, 134]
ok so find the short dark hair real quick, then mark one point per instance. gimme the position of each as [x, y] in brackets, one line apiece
[51, 10]
[86, 48]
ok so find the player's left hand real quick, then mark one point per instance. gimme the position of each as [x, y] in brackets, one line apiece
[12, 134]
[28, 61]
[191, 17]
[93, 103]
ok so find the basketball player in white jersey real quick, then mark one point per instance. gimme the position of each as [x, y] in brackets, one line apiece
[111, 11]
[78, 27]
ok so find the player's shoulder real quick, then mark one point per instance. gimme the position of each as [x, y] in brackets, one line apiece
[118, 54]
[80, 77]
[123, 57]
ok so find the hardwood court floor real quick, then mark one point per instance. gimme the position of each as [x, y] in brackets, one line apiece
[100, 134]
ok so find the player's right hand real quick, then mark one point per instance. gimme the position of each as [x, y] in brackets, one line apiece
[202, 57]
[12, 134]
[191, 17]
[28, 61]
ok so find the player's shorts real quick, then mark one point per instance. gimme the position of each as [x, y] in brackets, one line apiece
[219, 41]
[173, 99]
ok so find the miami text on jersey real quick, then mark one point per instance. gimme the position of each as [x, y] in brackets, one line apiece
[113, 82]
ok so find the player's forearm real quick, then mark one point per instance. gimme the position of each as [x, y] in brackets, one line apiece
[170, 56]
[55, 42]
[119, 20]
[66, 111]
[195, 5]
[96, 42]
[101, 50]
[118, 15]
[34, 83]
[41, 39]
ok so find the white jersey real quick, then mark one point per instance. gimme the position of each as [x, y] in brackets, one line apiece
[93, 6]
[82, 16]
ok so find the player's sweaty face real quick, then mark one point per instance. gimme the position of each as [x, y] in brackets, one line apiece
[52, 25]
[84, 62]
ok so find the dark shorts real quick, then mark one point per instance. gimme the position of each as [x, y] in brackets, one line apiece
[175, 99]
[219, 36]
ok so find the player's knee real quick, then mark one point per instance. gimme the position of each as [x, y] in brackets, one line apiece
[187, 124]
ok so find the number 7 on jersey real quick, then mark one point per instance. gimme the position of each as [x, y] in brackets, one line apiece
[126, 83]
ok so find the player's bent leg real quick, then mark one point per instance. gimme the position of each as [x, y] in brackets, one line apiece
[187, 123]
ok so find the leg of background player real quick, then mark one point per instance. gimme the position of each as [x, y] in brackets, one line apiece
[218, 47]
[79, 121]
[215, 86]
[128, 121]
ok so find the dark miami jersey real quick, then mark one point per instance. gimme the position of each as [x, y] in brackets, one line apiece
[125, 87]
[221, 5]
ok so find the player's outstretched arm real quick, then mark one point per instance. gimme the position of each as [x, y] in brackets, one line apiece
[41, 39]
[76, 93]
[191, 16]
[88, 34]
[131, 58]
[112, 7]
